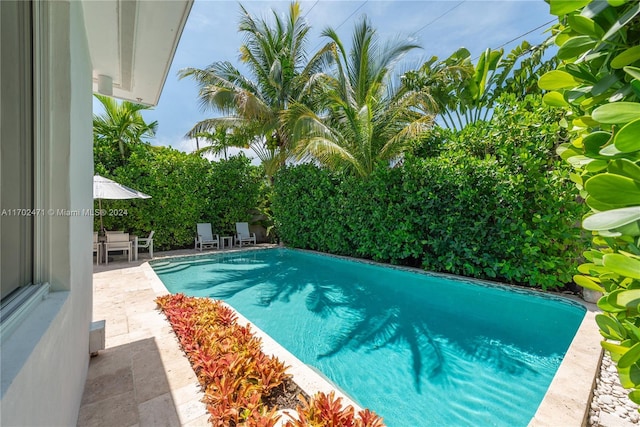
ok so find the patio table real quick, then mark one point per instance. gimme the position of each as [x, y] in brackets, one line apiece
[228, 240]
[132, 238]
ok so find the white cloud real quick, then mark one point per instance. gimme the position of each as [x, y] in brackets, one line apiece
[184, 144]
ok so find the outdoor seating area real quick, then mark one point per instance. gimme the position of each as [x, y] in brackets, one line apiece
[118, 241]
[207, 240]
[146, 243]
[110, 241]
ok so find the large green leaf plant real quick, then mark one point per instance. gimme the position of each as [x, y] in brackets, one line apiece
[463, 93]
[598, 83]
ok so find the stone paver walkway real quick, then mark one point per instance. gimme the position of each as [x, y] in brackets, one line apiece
[142, 378]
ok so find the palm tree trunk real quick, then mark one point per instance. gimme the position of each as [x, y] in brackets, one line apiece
[121, 148]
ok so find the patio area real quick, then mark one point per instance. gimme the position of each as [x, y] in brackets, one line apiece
[142, 377]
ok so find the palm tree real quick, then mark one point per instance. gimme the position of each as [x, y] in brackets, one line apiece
[121, 124]
[275, 55]
[220, 140]
[359, 117]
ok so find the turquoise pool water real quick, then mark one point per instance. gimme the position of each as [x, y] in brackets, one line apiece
[420, 350]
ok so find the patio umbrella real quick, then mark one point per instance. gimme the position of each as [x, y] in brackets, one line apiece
[104, 188]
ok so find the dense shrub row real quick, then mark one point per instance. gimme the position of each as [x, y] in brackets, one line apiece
[491, 202]
[185, 189]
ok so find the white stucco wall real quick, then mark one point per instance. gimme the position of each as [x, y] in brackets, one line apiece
[44, 362]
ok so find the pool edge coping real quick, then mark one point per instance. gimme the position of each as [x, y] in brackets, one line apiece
[568, 398]
[566, 401]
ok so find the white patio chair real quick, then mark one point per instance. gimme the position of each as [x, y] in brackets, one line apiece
[242, 234]
[117, 242]
[206, 238]
[97, 245]
[147, 242]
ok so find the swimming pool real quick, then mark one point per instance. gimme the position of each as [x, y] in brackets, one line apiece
[419, 349]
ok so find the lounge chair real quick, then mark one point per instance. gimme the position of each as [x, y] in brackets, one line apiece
[206, 238]
[147, 242]
[117, 242]
[242, 234]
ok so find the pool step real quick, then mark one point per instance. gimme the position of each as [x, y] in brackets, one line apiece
[159, 264]
[172, 268]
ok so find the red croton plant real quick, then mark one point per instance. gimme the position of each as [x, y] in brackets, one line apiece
[237, 376]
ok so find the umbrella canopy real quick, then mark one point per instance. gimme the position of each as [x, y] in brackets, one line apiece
[105, 188]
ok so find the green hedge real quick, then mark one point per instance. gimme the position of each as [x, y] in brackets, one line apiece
[185, 189]
[493, 204]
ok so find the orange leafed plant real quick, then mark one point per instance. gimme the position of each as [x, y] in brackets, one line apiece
[327, 411]
[237, 376]
[228, 360]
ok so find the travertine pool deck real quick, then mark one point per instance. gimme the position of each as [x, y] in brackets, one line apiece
[143, 378]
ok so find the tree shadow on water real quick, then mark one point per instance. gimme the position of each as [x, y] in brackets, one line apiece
[370, 320]
[377, 326]
[497, 355]
[370, 323]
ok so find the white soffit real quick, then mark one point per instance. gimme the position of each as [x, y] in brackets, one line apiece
[133, 43]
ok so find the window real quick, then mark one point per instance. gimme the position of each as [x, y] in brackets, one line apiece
[16, 147]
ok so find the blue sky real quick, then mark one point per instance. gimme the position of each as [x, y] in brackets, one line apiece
[442, 26]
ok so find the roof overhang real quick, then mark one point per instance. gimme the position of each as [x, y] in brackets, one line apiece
[132, 44]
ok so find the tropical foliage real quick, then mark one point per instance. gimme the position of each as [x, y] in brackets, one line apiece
[444, 81]
[598, 85]
[220, 141]
[120, 126]
[327, 410]
[236, 375]
[185, 188]
[358, 118]
[494, 203]
[279, 73]
[464, 93]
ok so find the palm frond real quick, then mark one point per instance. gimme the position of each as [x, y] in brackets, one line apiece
[412, 130]
[208, 125]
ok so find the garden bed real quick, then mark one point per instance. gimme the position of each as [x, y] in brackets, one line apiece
[242, 385]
